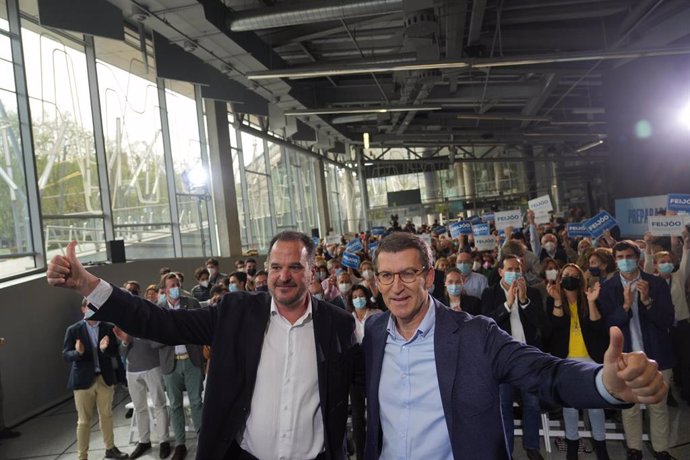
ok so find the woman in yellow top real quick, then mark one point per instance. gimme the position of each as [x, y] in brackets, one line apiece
[578, 333]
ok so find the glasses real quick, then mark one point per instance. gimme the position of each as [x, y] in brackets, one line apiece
[406, 276]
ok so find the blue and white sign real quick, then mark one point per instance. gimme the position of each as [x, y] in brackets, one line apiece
[440, 230]
[632, 213]
[597, 225]
[460, 228]
[508, 219]
[378, 231]
[667, 225]
[541, 204]
[578, 230]
[485, 243]
[488, 218]
[354, 245]
[372, 247]
[476, 220]
[350, 260]
[481, 230]
[333, 239]
[316, 240]
[678, 202]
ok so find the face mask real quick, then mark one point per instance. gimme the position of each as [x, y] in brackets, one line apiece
[232, 287]
[464, 267]
[550, 246]
[476, 266]
[571, 284]
[212, 271]
[595, 271]
[262, 288]
[486, 265]
[510, 277]
[318, 296]
[551, 275]
[359, 302]
[338, 271]
[161, 298]
[251, 271]
[627, 265]
[666, 268]
[88, 314]
[368, 274]
[203, 283]
[454, 289]
[344, 287]
[174, 293]
[323, 276]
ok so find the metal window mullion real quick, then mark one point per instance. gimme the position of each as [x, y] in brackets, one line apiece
[169, 170]
[299, 171]
[28, 154]
[337, 200]
[363, 191]
[205, 161]
[271, 201]
[243, 184]
[99, 138]
[285, 153]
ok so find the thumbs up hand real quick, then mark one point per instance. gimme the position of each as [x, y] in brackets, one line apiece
[631, 377]
[66, 271]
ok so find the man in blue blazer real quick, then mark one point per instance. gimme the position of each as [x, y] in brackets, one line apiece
[433, 374]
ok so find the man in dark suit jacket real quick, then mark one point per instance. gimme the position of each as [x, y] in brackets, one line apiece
[433, 374]
[640, 305]
[282, 364]
[90, 347]
[182, 367]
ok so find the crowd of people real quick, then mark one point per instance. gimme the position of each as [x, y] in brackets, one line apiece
[541, 287]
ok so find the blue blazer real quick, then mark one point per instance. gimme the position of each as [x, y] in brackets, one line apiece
[473, 356]
[655, 322]
[82, 370]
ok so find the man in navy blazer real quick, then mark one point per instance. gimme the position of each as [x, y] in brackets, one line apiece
[433, 374]
[90, 347]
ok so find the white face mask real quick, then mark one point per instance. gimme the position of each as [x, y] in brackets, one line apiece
[211, 271]
[551, 275]
[344, 287]
[550, 246]
[476, 266]
[318, 296]
[368, 274]
[203, 283]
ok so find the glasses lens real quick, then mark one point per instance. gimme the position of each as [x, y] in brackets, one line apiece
[408, 276]
[386, 278]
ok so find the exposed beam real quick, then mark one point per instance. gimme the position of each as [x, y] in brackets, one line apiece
[476, 21]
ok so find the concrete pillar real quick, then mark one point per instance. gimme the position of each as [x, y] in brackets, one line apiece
[468, 175]
[459, 178]
[530, 173]
[363, 191]
[223, 179]
[433, 186]
[322, 198]
[498, 175]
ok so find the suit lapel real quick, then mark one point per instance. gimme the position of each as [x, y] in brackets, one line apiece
[446, 348]
[254, 332]
[323, 333]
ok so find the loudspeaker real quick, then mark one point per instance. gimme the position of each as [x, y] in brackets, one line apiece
[315, 233]
[115, 250]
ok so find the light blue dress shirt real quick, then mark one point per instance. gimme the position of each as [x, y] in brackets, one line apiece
[636, 342]
[93, 335]
[475, 284]
[412, 417]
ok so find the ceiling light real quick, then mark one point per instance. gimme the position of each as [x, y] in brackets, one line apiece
[336, 110]
[591, 145]
[189, 46]
[365, 139]
[502, 117]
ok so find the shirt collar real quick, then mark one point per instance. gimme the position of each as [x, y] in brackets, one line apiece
[425, 326]
[307, 314]
[95, 326]
[626, 282]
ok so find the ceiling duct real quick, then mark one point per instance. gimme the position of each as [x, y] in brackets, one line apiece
[310, 13]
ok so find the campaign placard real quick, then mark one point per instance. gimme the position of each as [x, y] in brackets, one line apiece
[678, 202]
[485, 243]
[488, 218]
[350, 260]
[440, 230]
[354, 245]
[542, 217]
[372, 247]
[334, 239]
[597, 225]
[481, 230]
[508, 219]
[578, 230]
[460, 228]
[541, 204]
[378, 231]
[316, 240]
[667, 225]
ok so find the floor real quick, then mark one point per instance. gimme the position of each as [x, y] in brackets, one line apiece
[51, 436]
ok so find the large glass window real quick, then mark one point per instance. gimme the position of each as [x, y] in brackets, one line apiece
[287, 206]
[134, 147]
[64, 148]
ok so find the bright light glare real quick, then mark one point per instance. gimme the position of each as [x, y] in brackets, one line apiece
[685, 116]
[365, 138]
[198, 177]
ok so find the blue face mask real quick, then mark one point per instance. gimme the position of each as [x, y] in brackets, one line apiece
[359, 302]
[161, 298]
[174, 293]
[454, 289]
[666, 268]
[464, 267]
[232, 287]
[338, 271]
[627, 265]
[318, 296]
[88, 314]
[510, 277]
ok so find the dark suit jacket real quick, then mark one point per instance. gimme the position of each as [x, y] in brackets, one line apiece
[594, 333]
[473, 356]
[235, 329]
[167, 353]
[655, 322]
[532, 317]
[82, 371]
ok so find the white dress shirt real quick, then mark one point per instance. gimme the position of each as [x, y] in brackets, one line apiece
[516, 329]
[285, 419]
